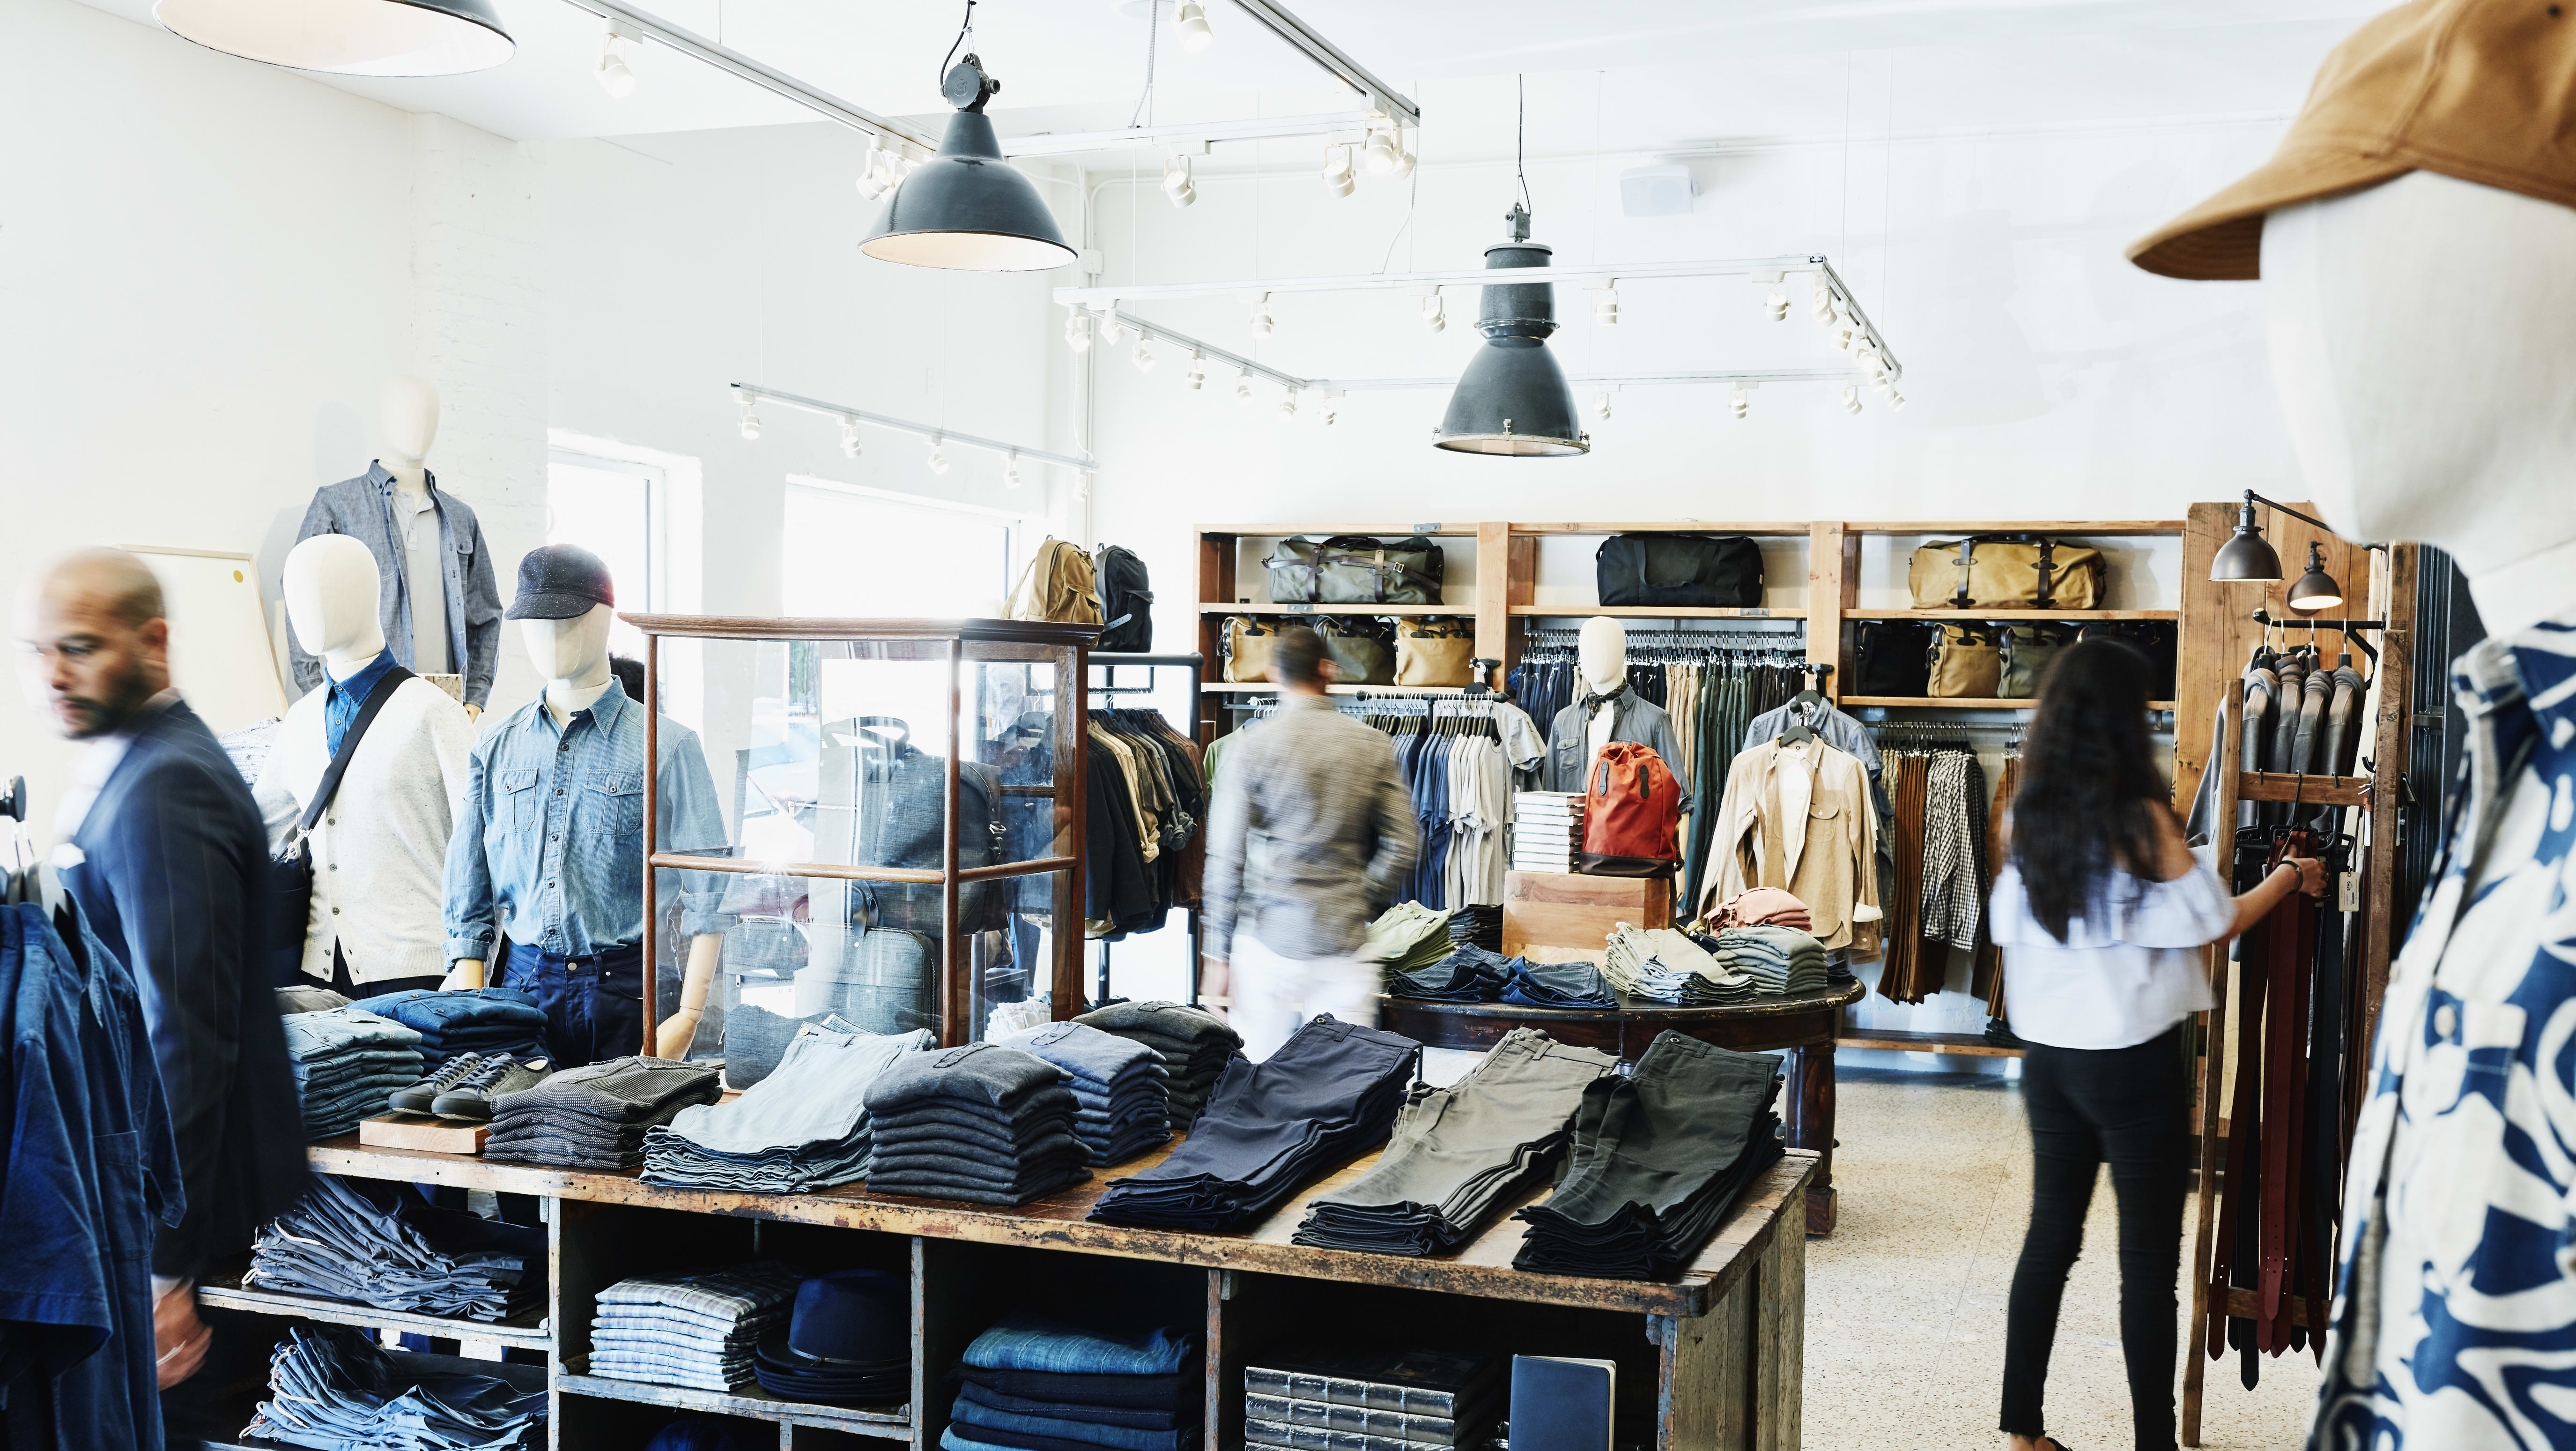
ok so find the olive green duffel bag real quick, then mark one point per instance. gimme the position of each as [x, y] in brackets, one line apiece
[1352, 569]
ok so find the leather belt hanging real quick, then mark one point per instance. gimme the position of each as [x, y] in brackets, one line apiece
[2289, 948]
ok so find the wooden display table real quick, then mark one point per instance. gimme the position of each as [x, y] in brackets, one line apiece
[1801, 1024]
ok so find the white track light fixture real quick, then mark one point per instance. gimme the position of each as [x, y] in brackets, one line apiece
[1196, 377]
[850, 438]
[1895, 401]
[750, 417]
[938, 459]
[1851, 398]
[1077, 328]
[1261, 320]
[1403, 160]
[1190, 23]
[1331, 410]
[1737, 403]
[1337, 171]
[1243, 386]
[1601, 403]
[1380, 151]
[1111, 328]
[1143, 357]
[1776, 303]
[616, 76]
[1011, 470]
[1082, 486]
[1288, 406]
[1435, 314]
[1822, 304]
[1176, 181]
[1605, 308]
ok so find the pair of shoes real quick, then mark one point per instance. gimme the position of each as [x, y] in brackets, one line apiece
[464, 1086]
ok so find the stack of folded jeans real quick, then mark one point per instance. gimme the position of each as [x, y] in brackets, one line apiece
[384, 1245]
[345, 1061]
[1406, 936]
[308, 999]
[1558, 985]
[1461, 1152]
[802, 1127]
[1195, 1046]
[332, 1390]
[1329, 1094]
[1480, 926]
[982, 1123]
[1657, 1159]
[849, 1342]
[596, 1116]
[1120, 1088]
[1664, 966]
[1469, 974]
[1778, 959]
[700, 1330]
[1034, 1383]
[483, 1020]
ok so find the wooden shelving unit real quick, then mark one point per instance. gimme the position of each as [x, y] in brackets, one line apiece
[2012, 615]
[526, 1332]
[1961, 702]
[1393, 611]
[1652, 612]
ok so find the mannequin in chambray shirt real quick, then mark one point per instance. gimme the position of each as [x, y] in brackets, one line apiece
[549, 847]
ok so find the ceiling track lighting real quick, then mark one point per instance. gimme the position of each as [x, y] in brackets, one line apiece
[1851, 398]
[1337, 170]
[1601, 403]
[850, 438]
[616, 75]
[1895, 401]
[1288, 406]
[938, 459]
[1605, 308]
[1082, 486]
[750, 417]
[1077, 328]
[1190, 26]
[1196, 377]
[1143, 357]
[1512, 399]
[1435, 314]
[1243, 386]
[1112, 327]
[884, 171]
[1261, 320]
[1775, 303]
[1379, 152]
[849, 419]
[1177, 184]
[1011, 470]
[1331, 410]
[966, 207]
[1737, 403]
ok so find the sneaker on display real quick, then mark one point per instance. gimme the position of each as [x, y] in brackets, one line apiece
[418, 1097]
[471, 1097]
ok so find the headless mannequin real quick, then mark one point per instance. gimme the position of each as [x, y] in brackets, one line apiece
[573, 657]
[411, 426]
[1602, 657]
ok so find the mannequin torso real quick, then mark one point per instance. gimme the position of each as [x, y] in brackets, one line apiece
[411, 426]
[1602, 658]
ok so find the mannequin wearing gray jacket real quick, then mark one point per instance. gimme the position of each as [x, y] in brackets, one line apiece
[363, 509]
[1633, 718]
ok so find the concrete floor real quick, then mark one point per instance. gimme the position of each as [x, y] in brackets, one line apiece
[1905, 1302]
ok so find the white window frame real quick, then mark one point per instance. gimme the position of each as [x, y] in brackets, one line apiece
[657, 514]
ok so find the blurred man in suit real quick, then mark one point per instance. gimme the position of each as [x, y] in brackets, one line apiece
[172, 875]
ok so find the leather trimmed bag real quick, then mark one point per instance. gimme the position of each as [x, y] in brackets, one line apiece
[1352, 569]
[1691, 571]
[1632, 813]
[1246, 643]
[1966, 664]
[290, 874]
[2002, 572]
[1436, 650]
[1894, 658]
[1058, 585]
[1361, 647]
[2027, 650]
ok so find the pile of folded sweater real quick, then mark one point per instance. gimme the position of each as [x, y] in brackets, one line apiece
[1121, 1101]
[480, 1020]
[596, 1116]
[345, 1061]
[1036, 1383]
[1195, 1046]
[982, 1123]
[803, 1126]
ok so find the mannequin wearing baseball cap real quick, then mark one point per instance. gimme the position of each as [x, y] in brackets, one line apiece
[2416, 235]
[549, 846]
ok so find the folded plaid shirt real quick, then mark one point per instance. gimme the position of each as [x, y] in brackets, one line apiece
[728, 1294]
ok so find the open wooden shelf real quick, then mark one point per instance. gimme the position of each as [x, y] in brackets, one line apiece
[893, 1423]
[1767, 529]
[1937, 702]
[1263, 687]
[1662, 612]
[2012, 614]
[1462, 611]
[1906, 1040]
[2061, 528]
[527, 1331]
[1318, 531]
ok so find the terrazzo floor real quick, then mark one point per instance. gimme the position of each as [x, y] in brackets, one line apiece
[1905, 1301]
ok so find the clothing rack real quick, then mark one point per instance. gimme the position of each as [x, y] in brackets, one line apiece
[1109, 662]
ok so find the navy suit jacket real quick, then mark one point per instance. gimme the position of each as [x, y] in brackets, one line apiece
[174, 882]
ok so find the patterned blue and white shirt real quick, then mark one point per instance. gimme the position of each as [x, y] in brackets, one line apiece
[2455, 1320]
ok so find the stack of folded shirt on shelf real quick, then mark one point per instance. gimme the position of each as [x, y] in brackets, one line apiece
[982, 1123]
[482, 1020]
[1460, 1153]
[700, 1330]
[1778, 959]
[1407, 936]
[1481, 926]
[1329, 1094]
[1195, 1046]
[1547, 831]
[1657, 1159]
[1469, 974]
[596, 1116]
[801, 1127]
[1374, 1400]
[345, 1061]
[1035, 1383]
[384, 1245]
[332, 1390]
[1121, 1098]
[1558, 985]
[848, 1342]
[1664, 966]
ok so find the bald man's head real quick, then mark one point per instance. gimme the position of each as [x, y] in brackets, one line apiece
[93, 646]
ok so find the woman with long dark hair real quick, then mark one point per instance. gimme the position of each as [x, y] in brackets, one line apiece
[2102, 911]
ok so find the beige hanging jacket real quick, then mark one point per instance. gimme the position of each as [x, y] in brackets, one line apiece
[1798, 817]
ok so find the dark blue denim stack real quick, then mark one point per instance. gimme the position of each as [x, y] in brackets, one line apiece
[1477, 926]
[596, 1116]
[345, 1061]
[1558, 985]
[801, 1128]
[1470, 974]
[1329, 1094]
[1035, 1383]
[699, 1330]
[980, 1123]
[483, 1020]
[1196, 1047]
[331, 1390]
[1120, 1092]
[384, 1245]
[1657, 1159]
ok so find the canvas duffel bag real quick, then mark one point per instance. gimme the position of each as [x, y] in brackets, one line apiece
[1246, 644]
[1966, 664]
[1361, 647]
[1436, 650]
[2027, 649]
[1352, 569]
[1996, 572]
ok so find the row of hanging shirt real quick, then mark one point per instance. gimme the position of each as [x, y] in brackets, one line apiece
[1946, 829]
[1801, 812]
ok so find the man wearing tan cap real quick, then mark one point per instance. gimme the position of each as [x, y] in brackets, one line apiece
[2416, 234]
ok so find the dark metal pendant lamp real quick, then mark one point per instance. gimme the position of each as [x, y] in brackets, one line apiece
[347, 37]
[2250, 558]
[1512, 399]
[967, 207]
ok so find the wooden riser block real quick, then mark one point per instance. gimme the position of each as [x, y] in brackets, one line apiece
[424, 1133]
[1569, 910]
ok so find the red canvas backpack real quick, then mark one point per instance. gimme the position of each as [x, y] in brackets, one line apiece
[1632, 813]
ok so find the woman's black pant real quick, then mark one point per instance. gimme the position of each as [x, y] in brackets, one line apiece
[2130, 1106]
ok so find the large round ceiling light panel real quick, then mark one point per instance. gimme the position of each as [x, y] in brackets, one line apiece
[347, 37]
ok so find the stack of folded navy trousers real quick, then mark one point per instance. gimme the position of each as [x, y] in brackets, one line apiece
[1034, 1383]
[1469, 974]
[801, 1127]
[345, 1061]
[1479, 926]
[1196, 1047]
[1329, 1094]
[482, 1020]
[596, 1116]
[1656, 1160]
[699, 1330]
[1558, 985]
[981, 1123]
[384, 1245]
[331, 1390]
[1121, 1101]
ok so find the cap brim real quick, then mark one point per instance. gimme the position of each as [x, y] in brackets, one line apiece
[2221, 240]
[550, 605]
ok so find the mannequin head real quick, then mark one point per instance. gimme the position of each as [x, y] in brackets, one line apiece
[331, 601]
[571, 652]
[2420, 337]
[1602, 654]
[410, 418]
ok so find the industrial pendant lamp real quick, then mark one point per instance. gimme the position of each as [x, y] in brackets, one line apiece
[966, 207]
[1512, 399]
[2246, 558]
[2316, 589]
[347, 37]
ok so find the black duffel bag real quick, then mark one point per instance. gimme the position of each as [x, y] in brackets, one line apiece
[1692, 571]
[1894, 658]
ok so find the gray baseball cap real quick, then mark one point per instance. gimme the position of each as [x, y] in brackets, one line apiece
[560, 582]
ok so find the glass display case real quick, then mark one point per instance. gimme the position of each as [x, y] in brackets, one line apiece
[903, 813]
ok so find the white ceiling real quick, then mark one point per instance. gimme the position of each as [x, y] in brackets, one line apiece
[1618, 75]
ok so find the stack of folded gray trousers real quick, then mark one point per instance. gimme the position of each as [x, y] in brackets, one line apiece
[596, 1116]
[1662, 965]
[1460, 1153]
[1195, 1046]
[384, 1245]
[981, 1123]
[1778, 959]
[345, 1062]
[804, 1126]
[1119, 1088]
[699, 1330]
